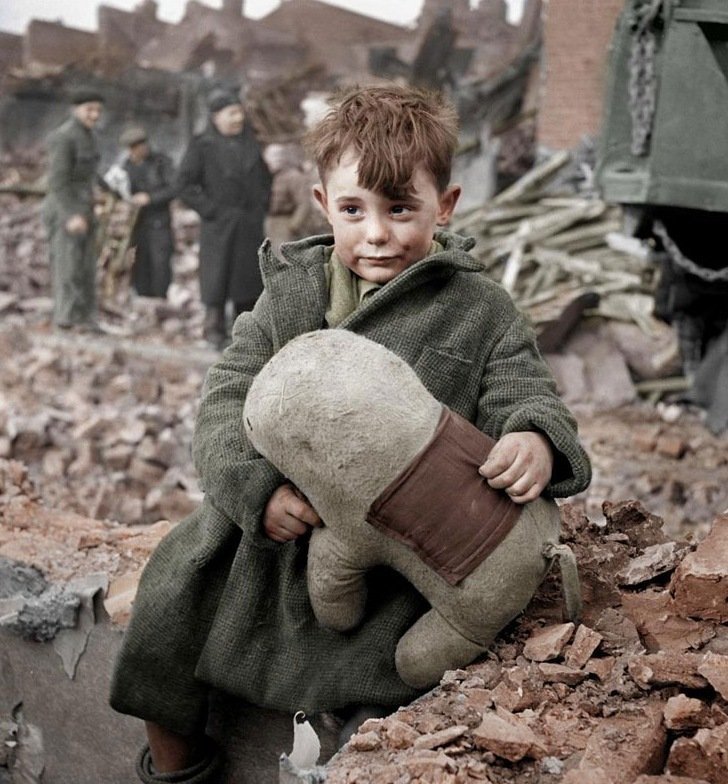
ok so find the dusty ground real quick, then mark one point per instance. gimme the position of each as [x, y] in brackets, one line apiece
[95, 450]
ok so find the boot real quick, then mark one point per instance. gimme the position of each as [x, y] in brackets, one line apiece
[214, 329]
[207, 771]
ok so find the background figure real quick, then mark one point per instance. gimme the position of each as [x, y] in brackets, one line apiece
[151, 185]
[293, 213]
[224, 178]
[68, 213]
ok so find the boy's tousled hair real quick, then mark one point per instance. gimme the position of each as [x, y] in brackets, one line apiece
[391, 130]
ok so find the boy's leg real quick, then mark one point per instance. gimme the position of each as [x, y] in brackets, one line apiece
[178, 759]
[170, 751]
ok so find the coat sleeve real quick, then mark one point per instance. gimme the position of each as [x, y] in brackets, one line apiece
[167, 190]
[62, 163]
[190, 180]
[518, 393]
[235, 478]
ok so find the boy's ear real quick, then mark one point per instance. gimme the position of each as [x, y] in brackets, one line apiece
[319, 195]
[446, 204]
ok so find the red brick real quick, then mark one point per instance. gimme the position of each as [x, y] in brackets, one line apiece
[627, 745]
[704, 756]
[548, 643]
[685, 713]
[714, 668]
[700, 584]
[585, 643]
[506, 736]
[667, 669]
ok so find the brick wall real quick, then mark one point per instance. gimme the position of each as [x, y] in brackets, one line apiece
[577, 34]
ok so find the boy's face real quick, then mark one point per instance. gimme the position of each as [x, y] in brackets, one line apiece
[377, 237]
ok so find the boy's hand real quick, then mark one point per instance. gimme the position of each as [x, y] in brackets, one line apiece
[288, 515]
[521, 463]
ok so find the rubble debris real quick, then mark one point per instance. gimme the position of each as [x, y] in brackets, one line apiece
[700, 584]
[608, 706]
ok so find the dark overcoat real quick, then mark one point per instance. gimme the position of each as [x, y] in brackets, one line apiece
[225, 179]
[219, 603]
[152, 236]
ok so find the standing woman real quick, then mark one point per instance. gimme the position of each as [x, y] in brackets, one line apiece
[224, 178]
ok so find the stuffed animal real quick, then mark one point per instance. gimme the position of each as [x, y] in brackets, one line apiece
[394, 476]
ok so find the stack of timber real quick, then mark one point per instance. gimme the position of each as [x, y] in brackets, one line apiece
[548, 244]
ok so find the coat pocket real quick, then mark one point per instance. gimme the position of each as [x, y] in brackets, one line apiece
[444, 374]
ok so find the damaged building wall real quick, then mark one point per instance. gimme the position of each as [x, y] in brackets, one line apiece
[168, 105]
[576, 37]
[52, 43]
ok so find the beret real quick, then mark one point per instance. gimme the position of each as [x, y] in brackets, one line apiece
[219, 99]
[132, 135]
[85, 95]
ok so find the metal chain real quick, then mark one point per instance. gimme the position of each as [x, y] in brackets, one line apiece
[676, 256]
[642, 84]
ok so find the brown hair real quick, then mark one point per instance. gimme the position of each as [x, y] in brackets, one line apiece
[391, 130]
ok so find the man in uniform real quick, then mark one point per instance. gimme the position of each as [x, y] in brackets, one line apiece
[152, 188]
[224, 178]
[68, 213]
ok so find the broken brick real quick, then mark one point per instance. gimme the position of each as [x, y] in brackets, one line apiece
[632, 519]
[667, 669]
[442, 738]
[365, 741]
[584, 644]
[700, 584]
[714, 668]
[619, 634]
[560, 673]
[704, 756]
[656, 559]
[601, 667]
[398, 734]
[627, 745]
[508, 737]
[548, 643]
[671, 446]
[660, 627]
[686, 713]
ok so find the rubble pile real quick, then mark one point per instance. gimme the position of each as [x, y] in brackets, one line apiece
[637, 693]
[104, 433]
[547, 243]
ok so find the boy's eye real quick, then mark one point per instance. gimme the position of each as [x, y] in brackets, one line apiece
[400, 209]
[350, 209]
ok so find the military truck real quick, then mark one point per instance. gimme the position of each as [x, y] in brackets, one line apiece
[663, 155]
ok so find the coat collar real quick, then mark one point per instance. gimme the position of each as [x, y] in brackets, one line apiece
[299, 270]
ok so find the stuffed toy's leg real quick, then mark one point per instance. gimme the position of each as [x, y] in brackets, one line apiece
[336, 584]
[507, 580]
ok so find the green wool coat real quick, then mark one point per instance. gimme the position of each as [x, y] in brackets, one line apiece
[222, 605]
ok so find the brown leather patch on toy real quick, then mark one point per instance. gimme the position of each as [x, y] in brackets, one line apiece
[441, 507]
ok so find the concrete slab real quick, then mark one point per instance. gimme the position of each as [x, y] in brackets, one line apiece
[85, 742]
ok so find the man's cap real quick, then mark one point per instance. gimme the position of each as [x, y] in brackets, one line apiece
[81, 95]
[132, 135]
[219, 99]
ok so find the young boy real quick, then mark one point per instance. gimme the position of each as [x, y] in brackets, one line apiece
[223, 601]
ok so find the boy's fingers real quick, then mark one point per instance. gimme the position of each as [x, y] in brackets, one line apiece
[524, 498]
[304, 511]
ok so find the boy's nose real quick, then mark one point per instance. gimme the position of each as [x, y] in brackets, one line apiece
[376, 233]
